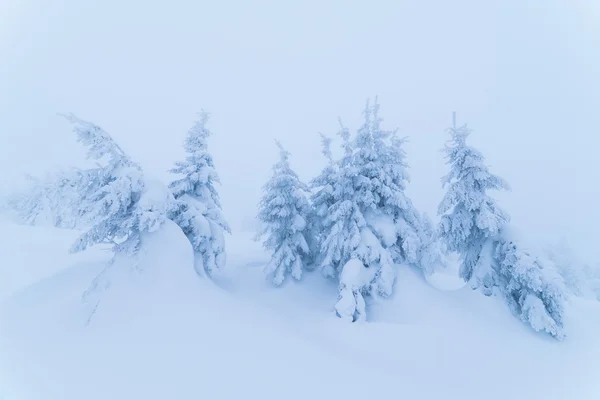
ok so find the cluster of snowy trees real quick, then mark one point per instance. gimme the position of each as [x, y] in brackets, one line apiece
[116, 204]
[354, 221]
[356, 224]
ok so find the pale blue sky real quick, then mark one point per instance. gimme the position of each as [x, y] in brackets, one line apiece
[522, 73]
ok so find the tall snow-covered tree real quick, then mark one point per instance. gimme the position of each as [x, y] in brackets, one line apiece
[492, 259]
[323, 197]
[469, 216]
[198, 207]
[367, 219]
[286, 215]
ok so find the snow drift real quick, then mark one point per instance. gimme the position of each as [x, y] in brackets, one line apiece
[162, 332]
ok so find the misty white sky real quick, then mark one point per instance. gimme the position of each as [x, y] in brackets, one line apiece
[522, 73]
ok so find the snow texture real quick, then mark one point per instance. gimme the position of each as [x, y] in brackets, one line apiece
[161, 333]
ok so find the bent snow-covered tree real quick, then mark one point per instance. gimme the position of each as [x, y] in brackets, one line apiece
[367, 221]
[198, 207]
[115, 199]
[120, 204]
[286, 214]
[492, 258]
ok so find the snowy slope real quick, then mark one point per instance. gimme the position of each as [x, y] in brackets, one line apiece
[163, 333]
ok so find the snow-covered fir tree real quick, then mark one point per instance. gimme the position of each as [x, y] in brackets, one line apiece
[532, 287]
[198, 207]
[123, 207]
[115, 198]
[367, 221]
[469, 216]
[416, 239]
[286, 215]
[492, 258]
[323, 197]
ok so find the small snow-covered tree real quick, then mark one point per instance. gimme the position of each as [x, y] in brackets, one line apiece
[198, 207]
[286, 214]
[432, 256]
[477, 229]
[52, 201]
[367, 221]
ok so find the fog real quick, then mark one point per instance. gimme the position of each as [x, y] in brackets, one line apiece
[522, 73]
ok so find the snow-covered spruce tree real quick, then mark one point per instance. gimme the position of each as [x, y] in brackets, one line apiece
[367, 220]
[122, 206]
[533, 288]
[323, 197]
[469, 217]
[475, 227]
[416, 240]
[119, 207]
[198, 207]
[286, 214]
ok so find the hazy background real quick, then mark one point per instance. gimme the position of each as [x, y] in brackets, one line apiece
[522, 73]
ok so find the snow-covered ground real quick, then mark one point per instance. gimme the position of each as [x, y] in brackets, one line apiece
[164, 333]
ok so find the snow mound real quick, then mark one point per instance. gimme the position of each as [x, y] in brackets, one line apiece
[29, 254]
[161, 332]
[445, 281]
[164, 268]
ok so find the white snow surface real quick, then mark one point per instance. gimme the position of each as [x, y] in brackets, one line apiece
[162, 332]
